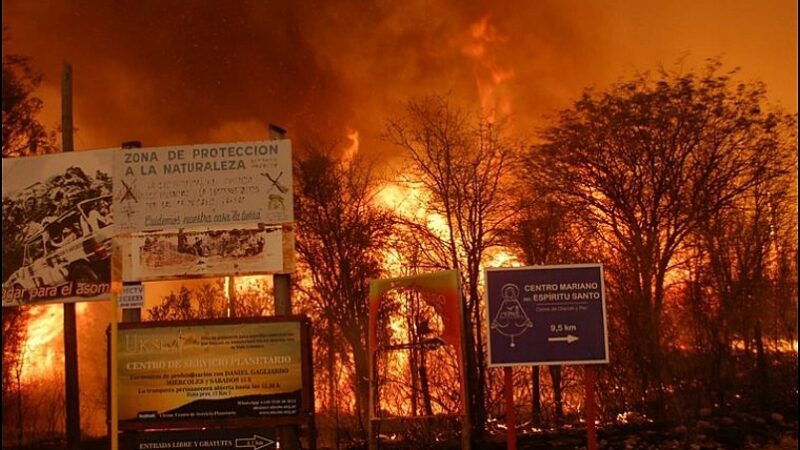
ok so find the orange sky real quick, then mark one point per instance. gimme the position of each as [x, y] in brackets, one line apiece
[186, 72]
[165, 72]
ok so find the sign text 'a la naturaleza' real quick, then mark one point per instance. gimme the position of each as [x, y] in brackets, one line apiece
[203, 185]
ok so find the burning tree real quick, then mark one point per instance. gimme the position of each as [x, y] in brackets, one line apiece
[743, 284]
[542, 231]
[23, 134]
[461, 166]
[341, 235]
[647, 163]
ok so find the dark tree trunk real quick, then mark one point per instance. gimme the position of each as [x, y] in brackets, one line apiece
[555, 376]
[762, 373]
[536, 397]
[424, 383]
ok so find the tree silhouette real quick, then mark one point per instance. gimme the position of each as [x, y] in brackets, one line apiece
[644, 163]
[23, 134]
[340, 237]
[460, 163]
[174, 307]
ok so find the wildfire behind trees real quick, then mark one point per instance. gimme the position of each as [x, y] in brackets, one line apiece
[341, 235]
[682, 184]
[460, 161]
[654, 166]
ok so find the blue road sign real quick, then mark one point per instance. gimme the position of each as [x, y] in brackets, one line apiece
[546, 315]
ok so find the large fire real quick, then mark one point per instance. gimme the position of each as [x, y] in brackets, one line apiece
[43, 349]
[490, 75]
[483, 49]
[44, 335]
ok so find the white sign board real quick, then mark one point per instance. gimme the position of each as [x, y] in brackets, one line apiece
[132, 296]
[207, 185]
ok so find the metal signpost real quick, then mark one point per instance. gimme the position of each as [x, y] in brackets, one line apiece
[547, 315]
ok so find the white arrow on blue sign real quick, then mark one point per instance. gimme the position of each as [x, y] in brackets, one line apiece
[546, 315]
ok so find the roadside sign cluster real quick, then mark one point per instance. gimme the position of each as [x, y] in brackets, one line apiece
[183, 211]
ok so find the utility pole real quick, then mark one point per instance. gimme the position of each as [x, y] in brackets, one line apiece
[73, 406]
[281, 285]
[281, 281]
[131, 314]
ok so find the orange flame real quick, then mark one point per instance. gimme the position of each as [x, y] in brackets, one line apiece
[352, 149]
[490, 75]
[41, 350]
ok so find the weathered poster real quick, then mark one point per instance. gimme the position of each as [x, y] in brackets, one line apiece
[439, 289]
[209, 371]
[57, 227]
[209, 185]
[546, 315]
[202, 252]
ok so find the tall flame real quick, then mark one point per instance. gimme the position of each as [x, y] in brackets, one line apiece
[490, 76]
[41, 349]
[352, 149]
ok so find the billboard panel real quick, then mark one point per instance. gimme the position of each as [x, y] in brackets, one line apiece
[57, 227]
[439, 289]
[207, 185]
[202, 252]
[217, 370]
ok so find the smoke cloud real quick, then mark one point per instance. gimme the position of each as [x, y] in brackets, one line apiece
[171, 72]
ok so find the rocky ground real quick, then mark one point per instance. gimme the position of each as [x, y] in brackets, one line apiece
[740, 431]
[733, 431]
[711, 432]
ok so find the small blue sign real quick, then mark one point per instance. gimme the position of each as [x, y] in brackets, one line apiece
[546, 315]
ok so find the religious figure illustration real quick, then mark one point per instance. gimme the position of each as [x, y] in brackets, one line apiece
[511, 320]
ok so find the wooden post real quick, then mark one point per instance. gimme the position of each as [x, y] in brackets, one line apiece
[281, 281]
[113, 435]
[232, 300]
[372, 438]
[511, 426]
[128, 315]
[591, 432]
[131, 314]
[281, 285]
[73, 413]
[113, 399]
